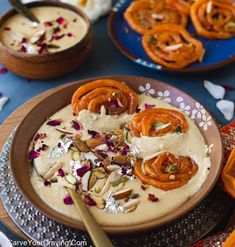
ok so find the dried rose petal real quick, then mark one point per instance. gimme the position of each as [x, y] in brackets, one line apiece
[77, 125]
[24, 40]
[54, 122]
[228, 88]
[152, 198]
[114, 104]
[43, 48]
[69, 34]
[23, 49]
[7, 28]
[61, 172]
[47, 24]
[148, 106]
[39, 136]
[101, 153]
[33, 155]
[3, 70]
[57, 37]
[144, 186]
[46, 182]
[81, 171]
[107, 141]
[75, 20]
[93, 133]
[60, 20]
[125, 150]
[68, 200]
[137, 109]
[89, 201]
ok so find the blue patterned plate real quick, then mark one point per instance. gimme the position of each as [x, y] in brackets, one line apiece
[218, 52]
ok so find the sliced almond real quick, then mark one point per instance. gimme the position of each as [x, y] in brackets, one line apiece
[131, 203]
[53, 169]
[120, 159]
[92, 181]
[37, 36]
[131, 209]
[85, 180]
[81, 145]
[100, 202]
[98, 173]
[94, 142]
[105, 187]
[122, 194]
[112, 168]
[48, 35]
[118, 187]
[70, 179]
[64, 131]
[114, 176]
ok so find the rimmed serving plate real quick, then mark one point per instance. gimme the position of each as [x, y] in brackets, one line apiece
[20, 165]
[128, 42]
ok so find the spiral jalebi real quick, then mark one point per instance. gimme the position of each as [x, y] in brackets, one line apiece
[114, 96]
[214, 19]
[181, 5]
[172, 46]
[167, 171]
[144, 123]
[143, 15]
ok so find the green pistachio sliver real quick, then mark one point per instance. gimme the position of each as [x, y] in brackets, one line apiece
[54, 180]
[70, 179]
[76, 156]
[172, 169]
[178, 130]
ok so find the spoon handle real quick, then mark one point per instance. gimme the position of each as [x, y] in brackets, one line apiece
[22, 9]
[98, 236]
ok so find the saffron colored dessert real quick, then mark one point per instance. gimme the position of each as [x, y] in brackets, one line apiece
[59, 29]
[132, 157]
[214, 19]
[143, 15]
[172, 46]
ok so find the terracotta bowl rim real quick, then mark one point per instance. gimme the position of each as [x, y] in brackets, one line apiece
[55, 3]
[204, 191]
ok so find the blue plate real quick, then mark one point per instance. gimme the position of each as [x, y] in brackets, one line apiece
[218, 52]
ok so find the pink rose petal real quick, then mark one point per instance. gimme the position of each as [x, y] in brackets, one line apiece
[33, 155]
[61, 173]
[68, 200]
[81, 171]
[54, 122]
[47, 183]
[89, 201]
[77, 125]
[148, 106]
[3, 70]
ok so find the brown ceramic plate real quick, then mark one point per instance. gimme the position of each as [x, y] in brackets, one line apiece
[36, 117]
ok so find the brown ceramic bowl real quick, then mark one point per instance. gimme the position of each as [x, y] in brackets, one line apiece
[45, 66]
[20, 165]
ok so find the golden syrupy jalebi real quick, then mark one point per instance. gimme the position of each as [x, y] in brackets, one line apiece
[167, 171]
[115, 96]
[143, 15]
[159, 45]
[214, 19]
[143, 123]
[181, 5]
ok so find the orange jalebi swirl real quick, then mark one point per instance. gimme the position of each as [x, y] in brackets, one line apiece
[143, 15]
[147, 122]
[172, 46]
[214, 19]
[181, 5]
[167, 171]
[114, 96]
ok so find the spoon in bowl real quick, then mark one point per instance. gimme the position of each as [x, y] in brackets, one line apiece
[23, 10]
[98, 236]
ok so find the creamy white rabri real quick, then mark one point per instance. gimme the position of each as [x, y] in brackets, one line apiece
[189, 144]
[59, 29]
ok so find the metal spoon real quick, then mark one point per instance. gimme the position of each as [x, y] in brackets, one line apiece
[22, 9]
[98, 236]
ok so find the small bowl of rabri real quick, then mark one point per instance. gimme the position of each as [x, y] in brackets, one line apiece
[56, 45]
